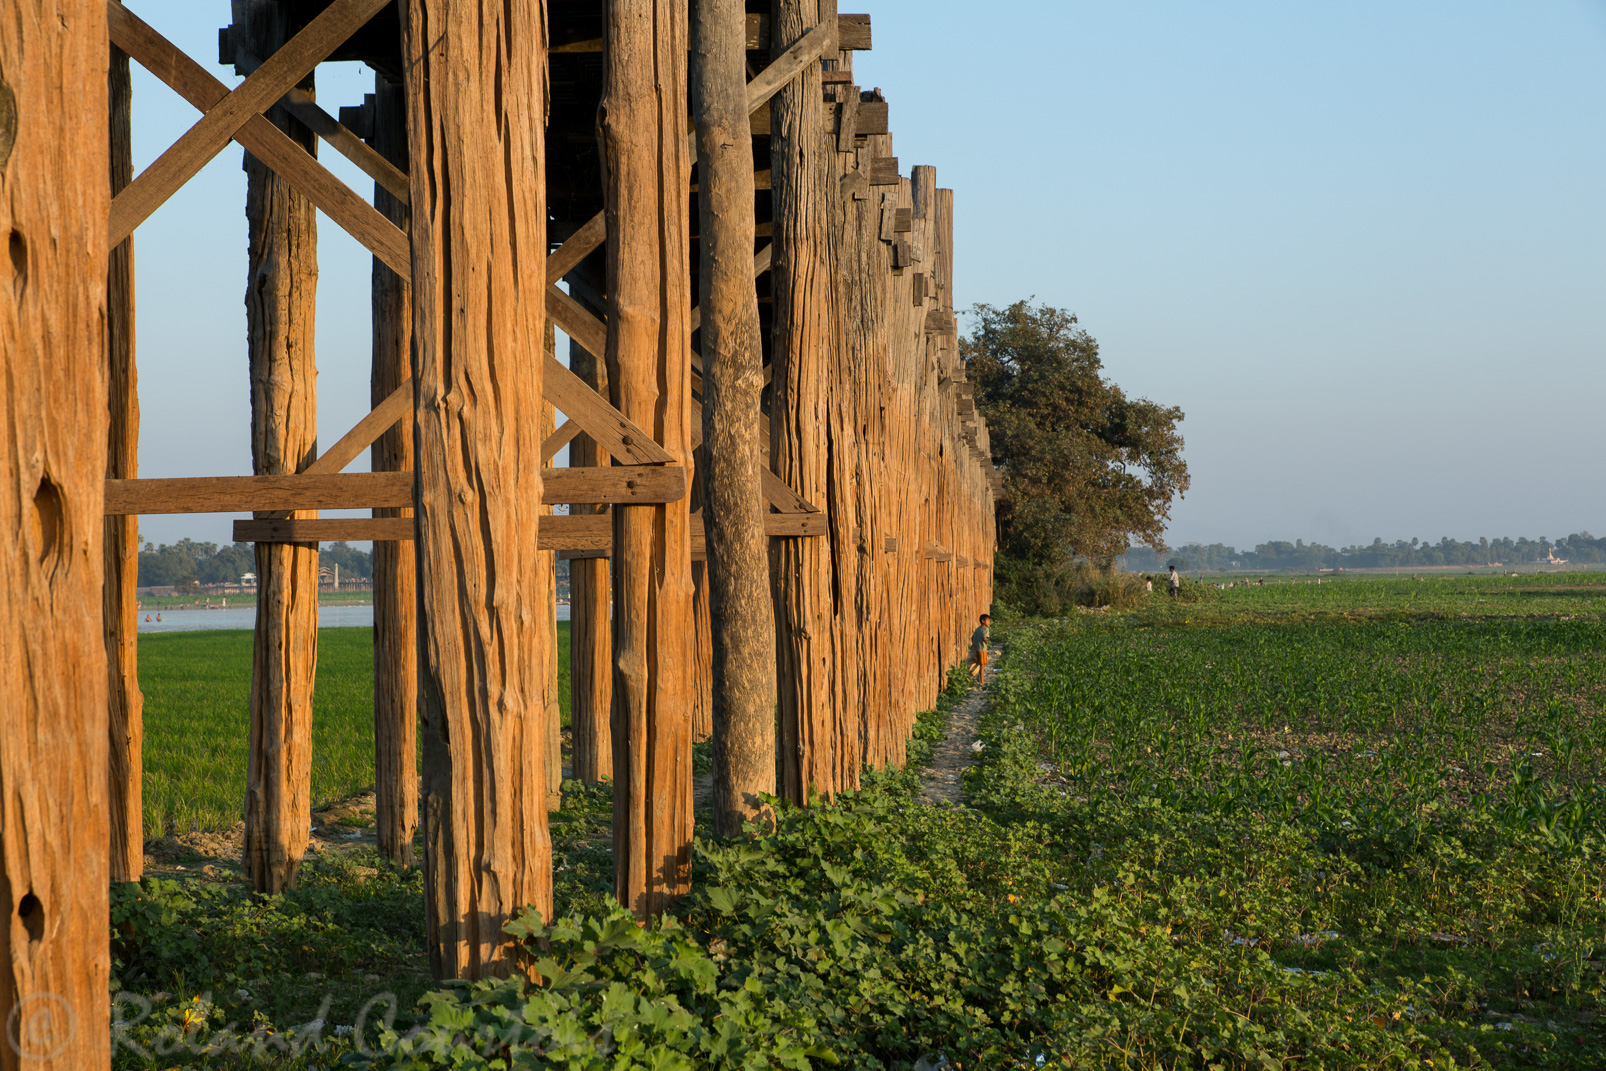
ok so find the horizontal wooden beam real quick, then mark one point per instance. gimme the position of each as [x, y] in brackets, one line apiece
[242, 494]
[598, 544]
[325, 530]
[582, 534]
[621, 484]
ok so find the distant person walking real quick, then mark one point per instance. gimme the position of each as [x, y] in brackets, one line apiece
[978, 651]
[1176, 582]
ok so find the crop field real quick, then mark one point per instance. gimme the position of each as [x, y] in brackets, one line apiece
[1395, 789]
[197, 689]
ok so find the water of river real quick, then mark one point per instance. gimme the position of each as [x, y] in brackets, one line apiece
[246, 617]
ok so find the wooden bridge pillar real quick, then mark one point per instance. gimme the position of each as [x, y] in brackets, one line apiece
[54, 197]
[590, 623]
[476, 85]
[395, 568]
[641, 126]
[735, 582]
[280, 299]
[119, 603]
[819, 747]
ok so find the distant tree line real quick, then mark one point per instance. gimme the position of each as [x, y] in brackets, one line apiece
[1579, 549]
[187, 562]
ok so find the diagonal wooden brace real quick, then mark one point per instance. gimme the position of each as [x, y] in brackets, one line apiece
[276, 77]
[262, 139]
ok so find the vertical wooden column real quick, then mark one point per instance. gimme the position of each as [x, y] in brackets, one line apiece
[702, 661]
[476, 85]
[54, 957]
[119, 605]
[590, 627]
[395, 569]
[280, 302]
[641, 124]
[552, 709]
[816, 741]
[742, 631]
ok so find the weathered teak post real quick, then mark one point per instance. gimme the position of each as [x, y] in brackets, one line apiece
[395, 569]
[280, 299]
[590, 630]
[641, 125]
[476, 83]
[551, 708]
[119, 605]
[819, 747]
[742, 619]
[54, 959]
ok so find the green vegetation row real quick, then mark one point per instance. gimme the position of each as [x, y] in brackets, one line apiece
[1580, 548]
[1136, 880]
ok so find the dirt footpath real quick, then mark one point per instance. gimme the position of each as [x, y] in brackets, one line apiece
[944, 777]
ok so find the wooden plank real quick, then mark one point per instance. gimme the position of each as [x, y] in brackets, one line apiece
[560, 438]
[853, 32]
[347, 143]
[262, 139]
[240, 494]
[940, 321]
[872, 118]
[889, 215]
[903, 220]
[892, 544]
[788, 65]
[884, 171]
[323, 529]
[579, 245]
[847, 120]
[185, 157]
[612, 431]
[628, 485]
[362, 435]
[573, 540]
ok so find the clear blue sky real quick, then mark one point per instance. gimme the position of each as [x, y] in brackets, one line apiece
[1362, 245]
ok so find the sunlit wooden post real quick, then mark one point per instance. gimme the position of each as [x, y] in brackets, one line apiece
[641, 127]
[476, 84]
[54, 195]
[280, 302]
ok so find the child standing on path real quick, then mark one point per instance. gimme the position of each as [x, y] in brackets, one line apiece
[978, 651]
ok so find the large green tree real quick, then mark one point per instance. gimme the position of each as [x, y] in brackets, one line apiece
[1087, 470]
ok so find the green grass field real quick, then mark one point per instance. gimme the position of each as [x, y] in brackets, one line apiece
[197, 689]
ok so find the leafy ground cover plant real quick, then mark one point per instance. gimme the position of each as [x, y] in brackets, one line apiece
[1176, 851]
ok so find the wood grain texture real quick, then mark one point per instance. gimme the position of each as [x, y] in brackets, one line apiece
[119, 603]
[280, 303]
[641, 136]
[54, 957]
[234, 494]
[735, 615]
[395, 568]
[819, 747]
[476, 89]
[275, 75]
